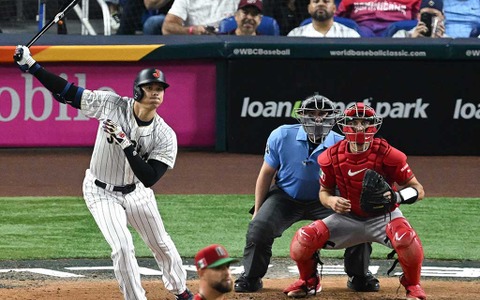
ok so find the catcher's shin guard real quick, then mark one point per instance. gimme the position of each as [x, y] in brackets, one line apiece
[305, 242]
[408, 247]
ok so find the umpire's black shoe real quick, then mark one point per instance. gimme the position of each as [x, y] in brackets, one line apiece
[366, 283]
[248, 285]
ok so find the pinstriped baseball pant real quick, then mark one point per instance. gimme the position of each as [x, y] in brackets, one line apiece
[113, 212]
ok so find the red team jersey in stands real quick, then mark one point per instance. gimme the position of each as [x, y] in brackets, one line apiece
[346, 170]
[376, 15]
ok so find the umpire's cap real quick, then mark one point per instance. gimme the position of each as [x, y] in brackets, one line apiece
[146, 76]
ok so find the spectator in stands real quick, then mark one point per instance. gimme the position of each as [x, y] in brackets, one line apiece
[197, 17]
[114, 8]
[373, 17]
[433, 9]
[145, 15]
[461, 17]
[323, 25]
[248, 16]
[155, 15]
[131, 18]
[288, 13]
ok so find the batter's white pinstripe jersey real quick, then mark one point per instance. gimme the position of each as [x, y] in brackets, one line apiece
[203, 12]
[109, 163]
[336, 31]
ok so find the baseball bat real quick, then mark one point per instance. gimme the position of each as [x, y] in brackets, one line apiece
[63, 10]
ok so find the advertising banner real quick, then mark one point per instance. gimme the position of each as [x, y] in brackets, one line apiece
[429, 107]
[30, 117]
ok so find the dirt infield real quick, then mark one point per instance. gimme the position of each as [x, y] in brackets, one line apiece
[59, 172]
[334, 288]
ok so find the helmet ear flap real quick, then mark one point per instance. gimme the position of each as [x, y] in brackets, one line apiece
[137, 92]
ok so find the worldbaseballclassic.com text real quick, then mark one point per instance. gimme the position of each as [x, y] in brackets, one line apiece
[377, 53]
[394, 110]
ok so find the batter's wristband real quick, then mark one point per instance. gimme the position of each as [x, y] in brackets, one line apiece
[125, 143]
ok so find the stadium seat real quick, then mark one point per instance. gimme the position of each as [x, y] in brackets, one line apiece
[475, 33]
[306, 21]
[399, 25]
[268, 26]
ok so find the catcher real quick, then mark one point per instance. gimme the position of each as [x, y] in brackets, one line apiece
[364, 169]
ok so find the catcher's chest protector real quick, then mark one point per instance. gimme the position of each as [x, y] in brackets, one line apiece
[350, 169]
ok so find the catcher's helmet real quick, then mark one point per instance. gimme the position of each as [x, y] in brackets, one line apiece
[146, 76]
[317, 116]
[365, 132]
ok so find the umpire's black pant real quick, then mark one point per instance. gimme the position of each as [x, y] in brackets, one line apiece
[277, 214]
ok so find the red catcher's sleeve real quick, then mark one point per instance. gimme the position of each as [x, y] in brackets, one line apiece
[327, 178]
[396, 166]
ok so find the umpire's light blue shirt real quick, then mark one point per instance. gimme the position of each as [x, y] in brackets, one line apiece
[298, 173]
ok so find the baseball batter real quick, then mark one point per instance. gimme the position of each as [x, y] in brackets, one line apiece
[343, 166]
[134, 148]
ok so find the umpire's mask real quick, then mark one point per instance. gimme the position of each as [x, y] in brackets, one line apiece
[317, 115]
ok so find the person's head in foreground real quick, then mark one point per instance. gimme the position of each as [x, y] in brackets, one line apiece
[213, 269]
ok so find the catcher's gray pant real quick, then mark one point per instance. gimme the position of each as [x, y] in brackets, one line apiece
[346, 231]
[113, 212]
[277, 214]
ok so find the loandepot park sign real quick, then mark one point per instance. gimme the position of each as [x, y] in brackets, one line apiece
[395, 110]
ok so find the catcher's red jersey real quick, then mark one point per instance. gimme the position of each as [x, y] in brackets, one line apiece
[345, 170]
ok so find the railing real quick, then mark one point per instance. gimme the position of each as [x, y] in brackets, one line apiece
[83, 12]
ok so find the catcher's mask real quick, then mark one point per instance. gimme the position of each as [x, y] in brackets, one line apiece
[317, 116]
[147, 76]
[370, 123]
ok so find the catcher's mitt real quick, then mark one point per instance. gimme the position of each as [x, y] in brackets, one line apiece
[372, 198]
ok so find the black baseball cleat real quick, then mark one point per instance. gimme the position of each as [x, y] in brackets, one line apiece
[248, 285]
[366, 283]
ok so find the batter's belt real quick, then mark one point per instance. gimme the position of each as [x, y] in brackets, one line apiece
[126, 189]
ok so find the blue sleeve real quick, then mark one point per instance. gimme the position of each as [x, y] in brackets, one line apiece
[271, 156]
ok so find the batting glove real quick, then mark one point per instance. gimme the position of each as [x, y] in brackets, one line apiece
[116, 132]
[23, 58]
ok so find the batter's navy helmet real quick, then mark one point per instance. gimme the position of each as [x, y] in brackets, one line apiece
[147, 76]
